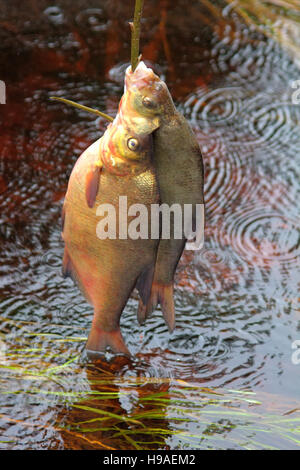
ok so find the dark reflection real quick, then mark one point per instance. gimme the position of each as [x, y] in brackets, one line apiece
[225, 378]
[120, 412]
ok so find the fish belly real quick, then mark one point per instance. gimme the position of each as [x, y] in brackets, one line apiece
[107, 269]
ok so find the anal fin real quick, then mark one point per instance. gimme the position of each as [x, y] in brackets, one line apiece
[68, 270]
[63, 217]
[67, 267]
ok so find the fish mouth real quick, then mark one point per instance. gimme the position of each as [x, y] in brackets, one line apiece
[145, 83]
[142, 77]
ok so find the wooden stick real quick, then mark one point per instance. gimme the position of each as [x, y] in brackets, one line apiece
[135, 33]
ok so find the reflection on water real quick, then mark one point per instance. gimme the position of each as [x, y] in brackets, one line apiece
[224, 378]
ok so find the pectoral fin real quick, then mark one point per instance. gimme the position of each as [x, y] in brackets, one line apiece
[92, 183]
[144, 283]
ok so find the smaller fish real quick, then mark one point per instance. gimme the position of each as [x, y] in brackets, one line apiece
[147, 105]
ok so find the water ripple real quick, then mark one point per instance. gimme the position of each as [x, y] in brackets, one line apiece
[93, 19]
[263, 237]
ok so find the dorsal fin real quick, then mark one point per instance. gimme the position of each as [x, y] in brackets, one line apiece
[160, 294]
[144, 283]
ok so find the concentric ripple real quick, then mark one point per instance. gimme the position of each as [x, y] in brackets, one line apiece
[93, 19]
[263, 237]
[215, 107]
[275, 124]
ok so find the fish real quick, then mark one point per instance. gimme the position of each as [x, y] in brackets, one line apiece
[148, 105]
[108, 269]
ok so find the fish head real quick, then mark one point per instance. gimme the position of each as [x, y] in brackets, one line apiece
[124, 150]
[130, 145]
[147, 95]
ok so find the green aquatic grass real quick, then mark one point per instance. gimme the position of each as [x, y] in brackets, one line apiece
[131, 441]
[246, 421]
[108, 414]
[164, 412]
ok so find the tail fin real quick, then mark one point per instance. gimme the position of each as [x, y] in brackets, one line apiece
[144, 283]
[99, 340]
[142, 312]
[160, 294]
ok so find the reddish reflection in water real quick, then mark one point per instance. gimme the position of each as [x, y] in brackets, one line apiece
[226, 377]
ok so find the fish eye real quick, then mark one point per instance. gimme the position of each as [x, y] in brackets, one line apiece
[147, 102]
[132, 144]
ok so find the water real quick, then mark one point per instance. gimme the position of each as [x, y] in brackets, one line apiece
[228, 377]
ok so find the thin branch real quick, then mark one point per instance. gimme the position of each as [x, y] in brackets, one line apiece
[82, 107]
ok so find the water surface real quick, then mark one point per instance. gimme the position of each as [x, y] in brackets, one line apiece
[226, 377]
